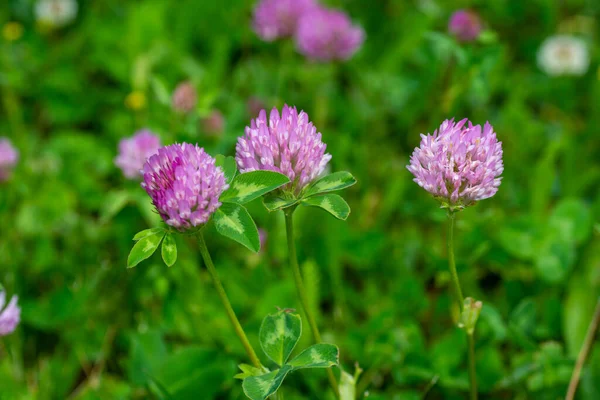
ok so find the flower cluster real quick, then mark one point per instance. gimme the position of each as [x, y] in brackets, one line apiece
[184, 185]
[10, 316]
[213, 124]
[56, 13]
[320, 33]
[184, 97]
[563, 55]
[465, 25]
[134, 151]
[8, 158]
[459, 164]
[325, 34]
[274, 19]
[289, 144]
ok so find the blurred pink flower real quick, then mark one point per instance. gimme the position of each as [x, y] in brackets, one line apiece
[9, 156]
[134, 151]
[275, 19]
[465, 25]
[213, 124]
[185, 97]
[10, 316]
[325, 34]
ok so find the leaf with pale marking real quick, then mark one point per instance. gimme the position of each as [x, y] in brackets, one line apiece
[147, 232]
[228, 165]
[233, 221]
[320, 355]
[274, 203]
[251, 185]
[169, 250]
[279, 334]
[330, 183]
[261, 387]
[144, 248]
[332, 203]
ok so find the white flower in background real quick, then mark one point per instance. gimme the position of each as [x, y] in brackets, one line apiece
[563, 55]
[56, 13]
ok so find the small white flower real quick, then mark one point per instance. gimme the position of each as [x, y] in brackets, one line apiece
[56, 13]
[563, 55]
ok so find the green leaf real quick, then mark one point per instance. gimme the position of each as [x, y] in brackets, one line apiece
[114, 203]
[320, 355]
[332, 203]
[169, 250]
[261, 387]
[251, 185]
[158, 389]
[250, 370]
[348, 385]
[161, 93]
[144, 248]
[233, 221]
[147, 232]
[572, 218]
[228, 166]
[275, 203]
[279, 334]
[330, 183]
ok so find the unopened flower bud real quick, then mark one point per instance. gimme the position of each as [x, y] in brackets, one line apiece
[470, 314]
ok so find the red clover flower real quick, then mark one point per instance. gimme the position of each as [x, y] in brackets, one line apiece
[459, 164]
[184, 184]
[289, 144]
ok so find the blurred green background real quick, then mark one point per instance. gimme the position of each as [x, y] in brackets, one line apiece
[91, 329]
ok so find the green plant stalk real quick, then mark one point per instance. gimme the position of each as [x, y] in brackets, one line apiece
[226, 304]
[461, 301]
[584, 352]
[293, 261]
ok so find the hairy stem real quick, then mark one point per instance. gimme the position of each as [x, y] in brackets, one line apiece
[293, 261]
[226, 304]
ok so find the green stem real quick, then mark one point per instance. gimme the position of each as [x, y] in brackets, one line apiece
[452, 263]
[228, 309]
[584, 352]
[461, 301]
[472, 369]
[293, 261]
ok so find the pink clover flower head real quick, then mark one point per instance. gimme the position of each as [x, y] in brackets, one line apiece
[327, 34]
[465, 25]
[274, 19]
[288, 143]
[9, 316]
[184, 185]
[459, 164]
[9, 156]
[134, 151]
[185, 97]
